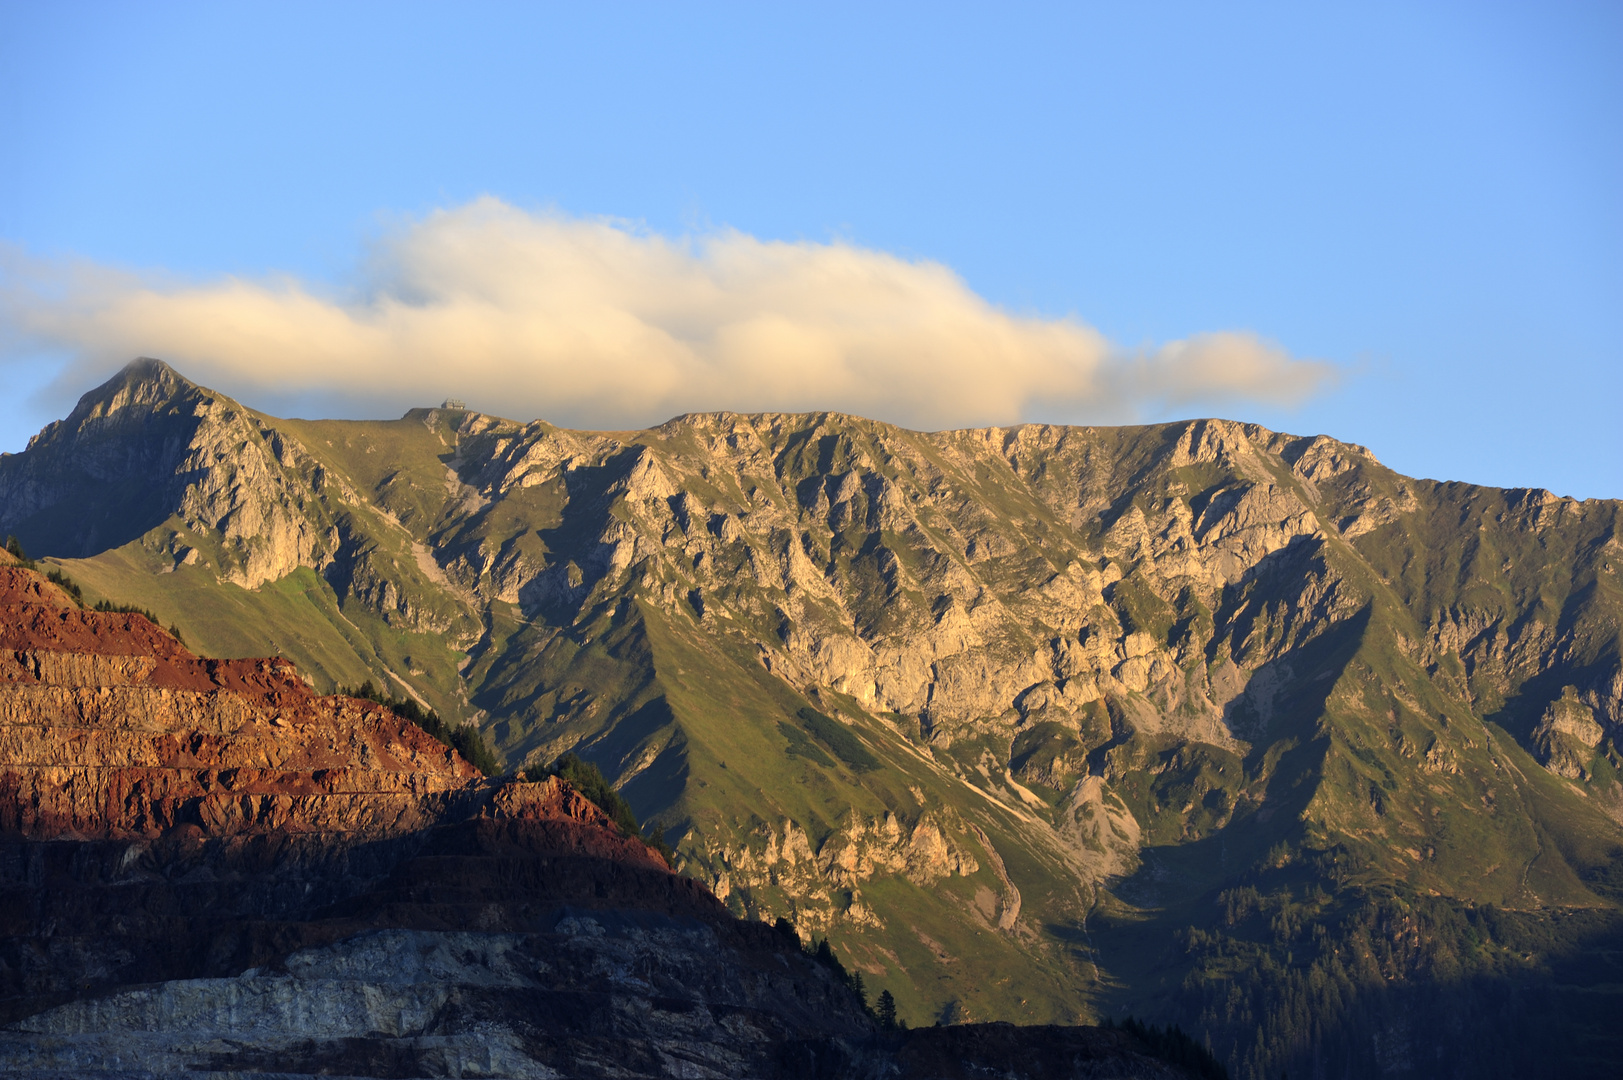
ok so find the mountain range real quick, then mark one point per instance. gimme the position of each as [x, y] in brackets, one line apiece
[1197, 722]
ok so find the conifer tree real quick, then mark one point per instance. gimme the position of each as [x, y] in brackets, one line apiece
[885, 1010]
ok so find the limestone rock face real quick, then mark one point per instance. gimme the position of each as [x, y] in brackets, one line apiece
[1565, 734]
[149, 445]
[861, 850]
[196, 478]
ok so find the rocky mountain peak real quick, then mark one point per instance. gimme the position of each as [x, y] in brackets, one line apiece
[113, 468]
[144, 390]
[149, 446]
[143, 383]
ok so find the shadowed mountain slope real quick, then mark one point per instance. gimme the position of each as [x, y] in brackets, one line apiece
[1195, 720]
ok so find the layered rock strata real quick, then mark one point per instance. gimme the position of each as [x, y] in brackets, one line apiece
[110, 728]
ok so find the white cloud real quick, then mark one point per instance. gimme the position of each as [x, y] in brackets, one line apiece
[594, 324]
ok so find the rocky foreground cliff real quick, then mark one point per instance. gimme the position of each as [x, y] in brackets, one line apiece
[1196, 721]
[207, 870]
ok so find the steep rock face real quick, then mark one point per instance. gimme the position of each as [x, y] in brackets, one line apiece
[891, 568]
[148, 445]
[200, 479]
[206, 870]
[854, 854]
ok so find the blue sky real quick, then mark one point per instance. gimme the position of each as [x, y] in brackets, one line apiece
[1426, 199]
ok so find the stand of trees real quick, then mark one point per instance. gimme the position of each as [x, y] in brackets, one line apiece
[14, 547]
[463, 738]
[588, 779]
[1395, 983]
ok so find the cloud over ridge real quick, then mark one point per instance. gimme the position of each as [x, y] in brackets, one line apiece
[591, 323]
